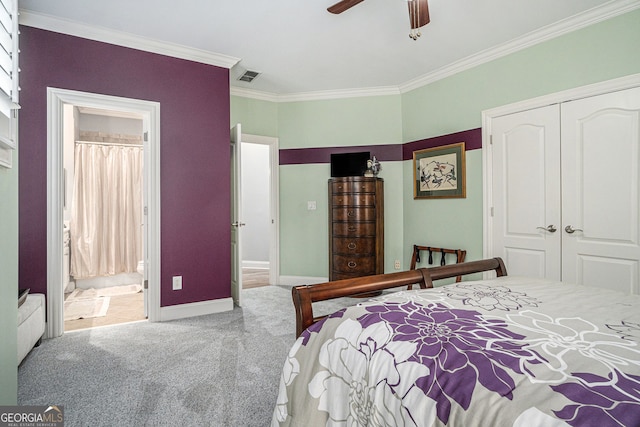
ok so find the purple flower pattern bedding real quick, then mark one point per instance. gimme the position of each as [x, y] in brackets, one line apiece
[504, 352]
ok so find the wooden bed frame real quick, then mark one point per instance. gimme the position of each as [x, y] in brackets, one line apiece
[305, 295]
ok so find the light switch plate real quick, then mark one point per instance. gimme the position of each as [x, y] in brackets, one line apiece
[177, 283]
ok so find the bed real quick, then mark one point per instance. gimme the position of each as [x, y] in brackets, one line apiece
[505, 351]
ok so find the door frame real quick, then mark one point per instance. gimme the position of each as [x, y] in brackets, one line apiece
[274, 198]
[607, 86]
[56, 99]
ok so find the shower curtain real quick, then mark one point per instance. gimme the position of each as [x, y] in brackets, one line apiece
[106, 218]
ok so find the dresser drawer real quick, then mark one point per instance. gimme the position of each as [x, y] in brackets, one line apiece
[354, 264]
[348, 199]
[354, 214]
[360, 229]
[351, 187]
[354, 245]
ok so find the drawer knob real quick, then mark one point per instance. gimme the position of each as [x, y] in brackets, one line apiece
[352, 264]
[351, 245]
[350, 213]
[351, 228]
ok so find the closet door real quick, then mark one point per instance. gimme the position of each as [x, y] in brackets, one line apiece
[601, 190]
[526, 191]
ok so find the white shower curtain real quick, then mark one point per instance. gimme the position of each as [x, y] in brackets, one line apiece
[106, 218]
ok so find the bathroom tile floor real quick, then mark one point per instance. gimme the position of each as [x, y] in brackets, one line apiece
[122, 309]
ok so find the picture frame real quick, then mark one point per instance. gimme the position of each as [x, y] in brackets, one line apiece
[440, 172]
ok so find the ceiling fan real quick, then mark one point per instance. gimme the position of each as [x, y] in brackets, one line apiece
[418, 13]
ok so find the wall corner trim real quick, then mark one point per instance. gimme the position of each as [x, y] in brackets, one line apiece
[182, 311]
[64, 26]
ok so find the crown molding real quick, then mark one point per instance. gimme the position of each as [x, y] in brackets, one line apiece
[593, 16]
[47, 22]
[253, 94]
[316, 95]
[609, 10]
[598, 14]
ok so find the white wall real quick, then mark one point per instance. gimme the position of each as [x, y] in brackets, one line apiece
[110, 124]
[255, 204]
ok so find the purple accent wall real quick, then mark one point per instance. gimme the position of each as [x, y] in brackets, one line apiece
[389, 152]
[472, 139]
[195, 155]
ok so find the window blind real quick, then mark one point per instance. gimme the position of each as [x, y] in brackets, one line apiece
[9, 88]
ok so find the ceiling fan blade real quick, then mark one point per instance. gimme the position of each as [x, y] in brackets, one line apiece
[343, 5]
[418, 13]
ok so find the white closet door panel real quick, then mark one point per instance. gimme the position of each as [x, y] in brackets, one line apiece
[612, 273]
[601, 192]
[526, 191]
[525, 262]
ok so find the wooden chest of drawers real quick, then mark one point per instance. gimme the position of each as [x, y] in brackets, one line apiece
[356, 227]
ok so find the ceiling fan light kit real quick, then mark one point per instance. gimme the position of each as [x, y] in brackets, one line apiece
[418, 13]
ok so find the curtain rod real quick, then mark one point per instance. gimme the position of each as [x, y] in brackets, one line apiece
[109, 143]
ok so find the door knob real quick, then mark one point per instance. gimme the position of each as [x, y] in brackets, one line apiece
[238, 224]
[551, 228]
[569, 229]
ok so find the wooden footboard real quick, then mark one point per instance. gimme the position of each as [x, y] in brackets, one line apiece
[304, 296]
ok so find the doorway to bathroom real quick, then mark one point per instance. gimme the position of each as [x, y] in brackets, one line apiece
[103, 211]
[103, 267]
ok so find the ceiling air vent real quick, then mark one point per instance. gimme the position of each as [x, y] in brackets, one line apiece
[248, 76]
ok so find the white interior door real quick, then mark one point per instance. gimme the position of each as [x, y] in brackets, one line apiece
[236, 216]
[601, 194]
[526, 192]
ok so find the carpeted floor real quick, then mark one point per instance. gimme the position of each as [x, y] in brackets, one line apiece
[215, 370]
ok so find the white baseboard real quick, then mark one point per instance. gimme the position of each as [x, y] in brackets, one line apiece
[255, 264]
[201, 308]
[301, 280]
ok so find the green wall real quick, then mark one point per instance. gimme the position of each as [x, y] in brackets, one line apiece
[349, 121]
[597, 53]
[257, 117]
[352, 122]
[600, 52]
[9, 283]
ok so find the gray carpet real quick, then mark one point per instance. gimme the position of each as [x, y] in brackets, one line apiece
[215, 370]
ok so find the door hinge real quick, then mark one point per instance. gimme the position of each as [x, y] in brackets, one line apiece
[145, 136]
[490, 139]
[146, 210]
[491, 211]
[146, 284]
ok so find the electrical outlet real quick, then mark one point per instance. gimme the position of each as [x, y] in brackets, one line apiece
[311, 205]
[177, 283]
[397, 264]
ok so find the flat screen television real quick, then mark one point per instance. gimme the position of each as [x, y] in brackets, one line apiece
[349, 164]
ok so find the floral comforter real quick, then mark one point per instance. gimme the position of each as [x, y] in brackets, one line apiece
[503, 352]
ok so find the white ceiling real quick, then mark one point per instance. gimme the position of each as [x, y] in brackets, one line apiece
[299, 47]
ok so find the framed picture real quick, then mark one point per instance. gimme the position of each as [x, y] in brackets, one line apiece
[439, 172]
